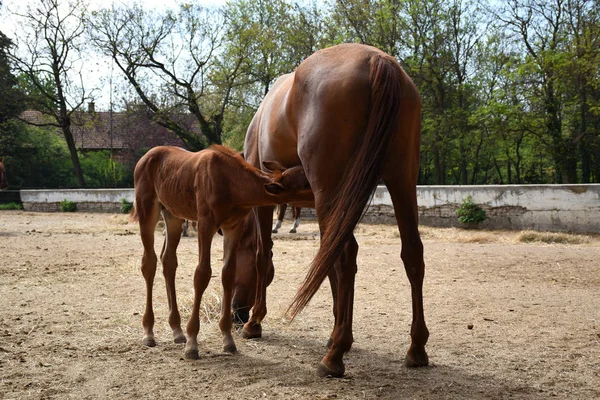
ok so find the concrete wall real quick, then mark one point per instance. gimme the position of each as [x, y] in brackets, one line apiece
[93, 200]
[574, 208]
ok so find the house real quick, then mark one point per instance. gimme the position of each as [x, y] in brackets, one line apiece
[127, 134]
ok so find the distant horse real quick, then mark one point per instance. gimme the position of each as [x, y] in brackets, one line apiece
[216, 188]
[3, 180]
[350, 116]
[281, 215]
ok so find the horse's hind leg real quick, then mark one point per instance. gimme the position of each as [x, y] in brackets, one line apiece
[148, 212]
[173, 227]
[404, 198]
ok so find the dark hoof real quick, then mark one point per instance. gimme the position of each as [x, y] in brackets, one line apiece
[251, 331]
[150, 342]
[292, 231]
[192, 354]
[325, 372]
[230, 348]
[274, 231]
[329, 343]
[180, 339]
[416, 359]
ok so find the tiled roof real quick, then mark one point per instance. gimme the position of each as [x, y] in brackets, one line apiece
[119, 130]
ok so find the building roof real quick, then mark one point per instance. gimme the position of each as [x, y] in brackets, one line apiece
[118, 130]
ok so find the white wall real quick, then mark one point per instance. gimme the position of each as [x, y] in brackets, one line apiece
[574, 208]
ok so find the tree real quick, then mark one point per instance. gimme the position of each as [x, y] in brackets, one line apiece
[12, 102]
[47, 57]
[167, 56]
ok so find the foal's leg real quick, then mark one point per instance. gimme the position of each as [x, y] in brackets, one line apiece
[231, 241]
[252, 329]
[201, 279]
[404, 199]
[173, 227]
[148, 212]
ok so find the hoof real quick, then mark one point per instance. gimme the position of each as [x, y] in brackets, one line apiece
[230, 348]
[274, 231]
[180, 339]
[192, 354]
[149, 341]
[416, 359]
[325, 372]
[253, 331]
[292, 231]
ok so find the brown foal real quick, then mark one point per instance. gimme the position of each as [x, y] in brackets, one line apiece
[216, 188]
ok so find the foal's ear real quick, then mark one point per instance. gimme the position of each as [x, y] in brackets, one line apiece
[2, 159]
[274, 188]
[272, 166]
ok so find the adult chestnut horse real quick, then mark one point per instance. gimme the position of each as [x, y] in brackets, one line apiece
[3, 180]
[216, 188]
[350, 116]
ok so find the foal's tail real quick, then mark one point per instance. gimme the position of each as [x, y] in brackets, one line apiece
[360, 177]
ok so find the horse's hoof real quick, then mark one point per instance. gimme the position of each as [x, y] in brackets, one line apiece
[149, 341]
[329, 343]
[180, 339]
[416, 359]
[230, 348]
[192, 354]
[251, 331]
[274, 231]
[292, 231]
[325, 372]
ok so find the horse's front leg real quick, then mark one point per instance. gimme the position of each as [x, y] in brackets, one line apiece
[231, 242]
[253, 329]
[201, 280]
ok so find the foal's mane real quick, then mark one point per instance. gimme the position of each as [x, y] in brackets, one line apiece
[226, 151]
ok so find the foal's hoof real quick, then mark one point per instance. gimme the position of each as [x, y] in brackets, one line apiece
[149, 341]
[292, 231]
[251, 331]
[325, 372]
[192, 354]
[230, 348]
[416, 359]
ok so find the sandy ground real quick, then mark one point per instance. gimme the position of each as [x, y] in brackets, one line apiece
[72, 297]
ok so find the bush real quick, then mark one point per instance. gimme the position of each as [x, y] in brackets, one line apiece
[68, 206]
[11, 206]
[470, 213]
[126, 206]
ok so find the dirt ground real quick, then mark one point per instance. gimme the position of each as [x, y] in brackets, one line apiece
[508, 319]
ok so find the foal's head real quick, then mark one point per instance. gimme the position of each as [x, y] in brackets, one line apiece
[289, 181]
[3, 180]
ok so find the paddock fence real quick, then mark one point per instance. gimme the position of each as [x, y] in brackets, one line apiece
[560, 208]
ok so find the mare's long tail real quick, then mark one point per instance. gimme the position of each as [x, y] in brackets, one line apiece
[360, 178]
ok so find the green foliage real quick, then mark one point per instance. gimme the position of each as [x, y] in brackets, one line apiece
[11, 206]
[126, 206]
[101, 170]
[68, 206]
[470, 213]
